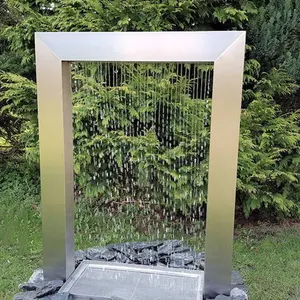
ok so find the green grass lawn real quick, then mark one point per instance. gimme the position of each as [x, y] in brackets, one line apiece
[269, 259]
[267, 256]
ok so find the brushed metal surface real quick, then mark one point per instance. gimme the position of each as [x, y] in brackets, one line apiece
[56, 161]
[223, 156]
[189, 46]
[131, 282]
[54, 51]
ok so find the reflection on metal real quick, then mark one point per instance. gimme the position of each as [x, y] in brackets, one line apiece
[93, 279]
[55, 51]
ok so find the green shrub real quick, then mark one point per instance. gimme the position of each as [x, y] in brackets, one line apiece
[273, 32]
[133, 139]
[268, 171]
[269, 164]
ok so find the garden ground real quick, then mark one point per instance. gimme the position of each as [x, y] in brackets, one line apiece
[268, 256]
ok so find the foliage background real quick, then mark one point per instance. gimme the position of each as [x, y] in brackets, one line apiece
[268, 170]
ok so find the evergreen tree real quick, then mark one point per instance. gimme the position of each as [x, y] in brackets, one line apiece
[268, 174]
[274, 32]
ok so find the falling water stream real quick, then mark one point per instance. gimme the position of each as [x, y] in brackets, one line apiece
[141, 138]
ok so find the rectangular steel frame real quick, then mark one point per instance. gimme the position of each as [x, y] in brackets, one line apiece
[55, 51]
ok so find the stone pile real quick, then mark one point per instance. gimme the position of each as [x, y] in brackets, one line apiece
[173, 254]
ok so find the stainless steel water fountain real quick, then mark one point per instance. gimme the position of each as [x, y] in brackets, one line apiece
[54, 53]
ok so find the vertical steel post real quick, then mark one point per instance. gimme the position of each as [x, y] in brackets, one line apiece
[223, 157]
[56, 162]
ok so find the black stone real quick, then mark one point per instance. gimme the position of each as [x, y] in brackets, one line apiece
[199, 264]
[49, 288]
[159, 264]
[120, 257]
[147, 257]
[241, 286]
[28, 286]
[165, 260]
[108, 255]
[37, 276]
[213, 290]
[180, 260]
[139, 246]
[177, 263]
[133, 257]
[100, 253]
[191, 267]
[199, 255]
[236, 278]
[25, 296]
[122, 248]
[238, 294]
[168, 247]
[80, 255]
[126, 249]
[130, 262]
[182, 249]
[95, 253]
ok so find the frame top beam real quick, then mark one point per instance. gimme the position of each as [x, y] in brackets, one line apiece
[185, 46]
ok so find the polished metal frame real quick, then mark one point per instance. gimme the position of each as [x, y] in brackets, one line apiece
[55, 51]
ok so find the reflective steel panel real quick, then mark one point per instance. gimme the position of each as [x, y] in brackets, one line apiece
[132, 282]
